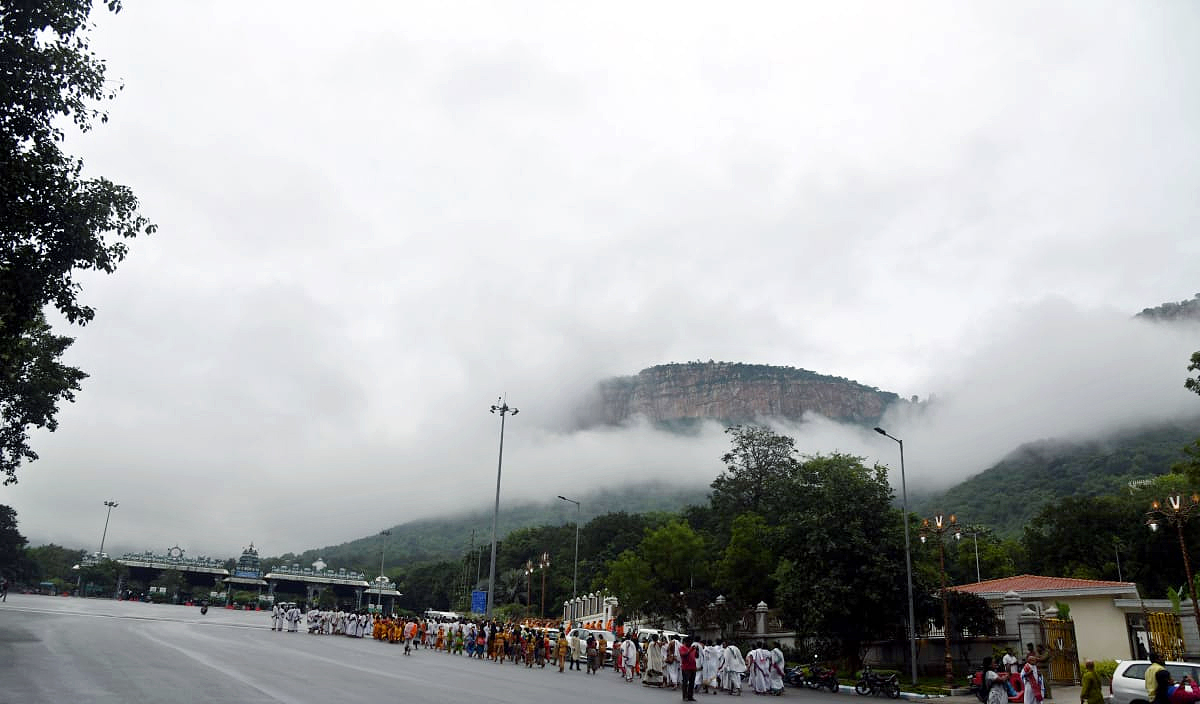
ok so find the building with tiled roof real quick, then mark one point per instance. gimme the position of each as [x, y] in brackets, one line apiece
[1107, 616]
[1035, 586]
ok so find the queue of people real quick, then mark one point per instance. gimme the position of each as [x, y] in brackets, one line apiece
[667, 662]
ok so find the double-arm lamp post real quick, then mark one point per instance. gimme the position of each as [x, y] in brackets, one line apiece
[1175, 513]
[912, 624]
[937, 527]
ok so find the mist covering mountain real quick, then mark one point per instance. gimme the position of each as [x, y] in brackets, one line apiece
[1005, 496]
[1182, 311]
[675, 395]
[452, 536]
[680, 397]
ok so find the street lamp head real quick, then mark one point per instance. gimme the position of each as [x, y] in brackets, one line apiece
[881, 431]
[1154, 505]
[923, 539]
[515, 411]
[1153, 524]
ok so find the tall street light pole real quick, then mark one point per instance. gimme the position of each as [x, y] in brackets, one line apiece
[544, 563]
[938, 526]
[528, 587]
[912, 624]
[382, 580]
[111, 505]
[574, 579]
[503, 409]
[1176, 512]
[975, 537]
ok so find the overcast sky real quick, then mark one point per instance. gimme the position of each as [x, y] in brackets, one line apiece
[377, 217]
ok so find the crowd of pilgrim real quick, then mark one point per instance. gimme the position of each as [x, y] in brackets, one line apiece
[662, 661]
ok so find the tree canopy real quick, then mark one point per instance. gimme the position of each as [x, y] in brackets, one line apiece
[759, 468]
[55, 221]
[12, 543]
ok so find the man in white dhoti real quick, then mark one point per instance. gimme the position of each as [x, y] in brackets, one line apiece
[653, 676]
[708, 673]
[576, 655]
[276, 618]
[293, 619]
[629, 654]
[732, 666]
[671, 672]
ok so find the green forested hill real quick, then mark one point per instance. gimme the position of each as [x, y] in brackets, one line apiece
[1006, 496]
[449, 538]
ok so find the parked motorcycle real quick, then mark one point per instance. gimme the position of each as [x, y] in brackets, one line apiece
[794, 676]
[975, 684]
[819, 677]
[871, 683]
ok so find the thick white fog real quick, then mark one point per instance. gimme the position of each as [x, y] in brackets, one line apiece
[375, 220]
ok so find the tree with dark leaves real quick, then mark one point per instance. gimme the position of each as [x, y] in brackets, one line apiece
[54, 222]
[12, 543]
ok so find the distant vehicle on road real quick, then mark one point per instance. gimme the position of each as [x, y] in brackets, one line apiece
[609, 636]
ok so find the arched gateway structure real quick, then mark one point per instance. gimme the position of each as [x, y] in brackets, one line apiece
[205, 574]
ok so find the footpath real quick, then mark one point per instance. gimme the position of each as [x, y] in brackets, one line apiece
[1059, 695]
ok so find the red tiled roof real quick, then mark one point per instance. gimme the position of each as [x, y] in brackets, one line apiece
[1035, 583]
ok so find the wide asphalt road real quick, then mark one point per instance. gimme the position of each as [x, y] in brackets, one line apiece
[56, 650]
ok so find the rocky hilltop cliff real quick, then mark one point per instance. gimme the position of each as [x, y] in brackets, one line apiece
[678, 394]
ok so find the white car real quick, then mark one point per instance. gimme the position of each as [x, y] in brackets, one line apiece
[1128, 684]
[608, 636]
[663, 635]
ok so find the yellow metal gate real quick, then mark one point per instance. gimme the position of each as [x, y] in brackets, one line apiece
[1063, 655]
[1165, 635]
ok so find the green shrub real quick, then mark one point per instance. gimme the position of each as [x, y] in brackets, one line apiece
[1106, 668]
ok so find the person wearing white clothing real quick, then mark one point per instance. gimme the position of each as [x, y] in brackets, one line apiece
[293, 619]
[732, 666]
[775, 673]
[629, 654]
[709, 678]
[672, 672]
